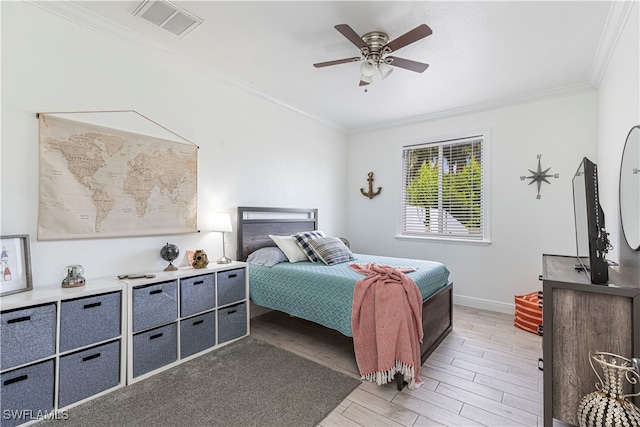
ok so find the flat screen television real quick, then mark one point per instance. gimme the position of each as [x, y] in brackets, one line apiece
[592, 242]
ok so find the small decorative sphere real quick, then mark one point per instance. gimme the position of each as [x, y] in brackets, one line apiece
[169, 252]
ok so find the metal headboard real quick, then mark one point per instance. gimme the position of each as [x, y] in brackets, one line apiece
[255, 224]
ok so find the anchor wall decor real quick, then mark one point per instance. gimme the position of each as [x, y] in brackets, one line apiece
[371, 194]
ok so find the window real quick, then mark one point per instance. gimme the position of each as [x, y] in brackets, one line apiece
[443, 190]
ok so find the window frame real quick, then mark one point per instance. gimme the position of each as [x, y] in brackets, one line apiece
[485, 134]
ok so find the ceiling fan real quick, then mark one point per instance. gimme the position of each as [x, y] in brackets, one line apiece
[375, 49]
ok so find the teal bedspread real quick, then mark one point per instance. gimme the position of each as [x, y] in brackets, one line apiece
[324, 294]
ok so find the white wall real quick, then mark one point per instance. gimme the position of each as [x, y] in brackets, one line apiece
[618, 112]
[562, 129]
[252, 153]
[255, 153]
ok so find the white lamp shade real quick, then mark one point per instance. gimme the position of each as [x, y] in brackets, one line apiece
[384, 70]
[368, 67]
[221, 221]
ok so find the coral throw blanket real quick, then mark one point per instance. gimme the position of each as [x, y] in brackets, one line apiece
[387, 324]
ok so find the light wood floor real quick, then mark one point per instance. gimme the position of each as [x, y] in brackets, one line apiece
[484, 373]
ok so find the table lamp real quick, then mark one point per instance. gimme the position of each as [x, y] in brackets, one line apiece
[221, 222]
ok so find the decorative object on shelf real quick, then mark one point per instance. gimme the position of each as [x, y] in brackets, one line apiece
[371, 194]
[190, 253]
[74, 276]
[15, 262]
[136, 276]
[78, 160]
[608, 405]
[539, 176]
[200, 259]
[169, 253]
[221, 222]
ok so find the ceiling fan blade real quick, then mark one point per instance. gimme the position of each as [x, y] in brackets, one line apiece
[407, 64]
[421, 31]
[337, 62]
[352, 36]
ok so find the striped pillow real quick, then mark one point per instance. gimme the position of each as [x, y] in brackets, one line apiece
[303, 238]
[331, 250]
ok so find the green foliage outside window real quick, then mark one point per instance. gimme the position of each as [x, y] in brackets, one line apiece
[461, 187]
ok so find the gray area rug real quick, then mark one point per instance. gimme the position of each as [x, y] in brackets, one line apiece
[246, 383]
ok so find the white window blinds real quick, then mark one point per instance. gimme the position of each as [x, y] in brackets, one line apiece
[442, 191]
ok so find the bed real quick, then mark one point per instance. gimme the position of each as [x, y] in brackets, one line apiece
[324, 293]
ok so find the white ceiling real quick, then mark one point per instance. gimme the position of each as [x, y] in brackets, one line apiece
[480, 53]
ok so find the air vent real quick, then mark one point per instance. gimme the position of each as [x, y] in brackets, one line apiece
[167, 15]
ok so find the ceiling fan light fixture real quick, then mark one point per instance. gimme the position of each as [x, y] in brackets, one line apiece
[368, 68]
[374, 50]
[384, 70]
[366, 79]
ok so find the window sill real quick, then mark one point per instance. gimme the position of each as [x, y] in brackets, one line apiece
[463, 241]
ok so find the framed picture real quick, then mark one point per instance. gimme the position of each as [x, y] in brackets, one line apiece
[15, 273]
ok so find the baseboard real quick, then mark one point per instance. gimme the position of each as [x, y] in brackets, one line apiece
[484, 304]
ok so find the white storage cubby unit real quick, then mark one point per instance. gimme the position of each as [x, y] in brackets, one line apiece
[60, 347]
[180, 314]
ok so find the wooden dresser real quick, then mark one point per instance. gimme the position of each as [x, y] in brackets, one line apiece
[578, 317]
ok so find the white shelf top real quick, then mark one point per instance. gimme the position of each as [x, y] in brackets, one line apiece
[181, 272]
[45, 294]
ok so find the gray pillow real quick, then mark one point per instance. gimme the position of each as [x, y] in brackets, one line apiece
[267, 257]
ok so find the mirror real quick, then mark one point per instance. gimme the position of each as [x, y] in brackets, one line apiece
[630, 189]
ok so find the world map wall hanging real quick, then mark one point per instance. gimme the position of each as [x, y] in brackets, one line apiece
[97, 181]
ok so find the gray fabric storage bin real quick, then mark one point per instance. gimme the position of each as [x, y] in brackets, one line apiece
[231, 286]
[232, 322]
[197, 294]
[154, 305]
[27, 334]
[89, 320]
[197, 334]
[88, 372]
[26, 393]
[154, 348]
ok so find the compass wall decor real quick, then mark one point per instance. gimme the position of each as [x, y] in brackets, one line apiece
[539, 176]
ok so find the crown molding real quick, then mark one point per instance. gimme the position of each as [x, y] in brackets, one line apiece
[476, 108]
[616, 19]
[93, 21]
[619, 13]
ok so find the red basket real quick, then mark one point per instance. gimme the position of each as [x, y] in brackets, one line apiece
[529, 312]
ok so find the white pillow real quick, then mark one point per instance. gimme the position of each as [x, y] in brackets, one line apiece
[288, 245]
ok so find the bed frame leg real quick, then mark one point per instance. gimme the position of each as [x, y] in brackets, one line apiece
[400, 383]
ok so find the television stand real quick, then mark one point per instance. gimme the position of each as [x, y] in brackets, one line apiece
[579, 317]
